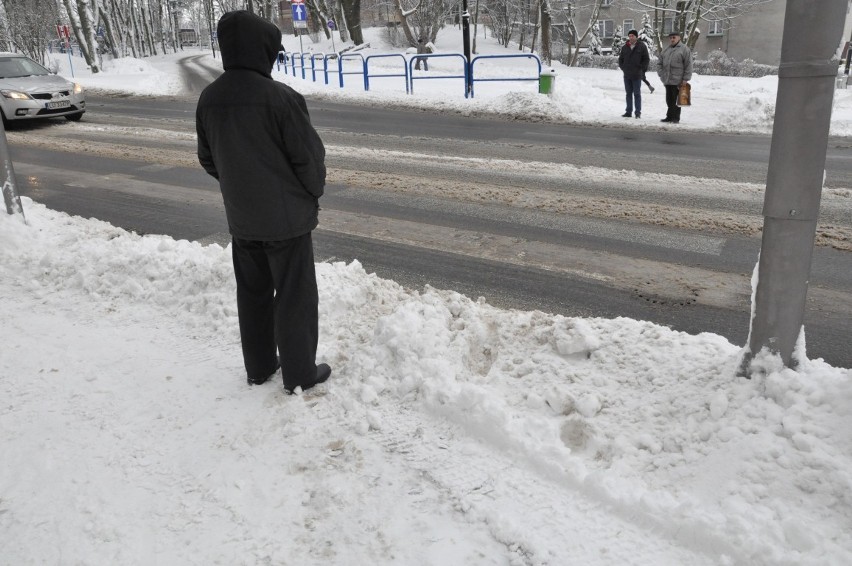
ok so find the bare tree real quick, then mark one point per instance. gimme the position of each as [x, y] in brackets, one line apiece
[421, 22]
[6, 42]
[82, 24]
[111, 39]
[592, 24]
[686, 15]
[28, 25]
[223, 6]
[504, 17]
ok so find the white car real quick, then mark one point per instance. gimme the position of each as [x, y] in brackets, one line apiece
[28, 90]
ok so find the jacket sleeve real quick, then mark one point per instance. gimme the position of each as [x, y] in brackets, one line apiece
[621, 59]
[304, 147]
[660, 64]
[205, 157]
[646, 58]
[687, 64]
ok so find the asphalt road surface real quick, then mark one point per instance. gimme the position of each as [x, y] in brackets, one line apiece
[655, 225]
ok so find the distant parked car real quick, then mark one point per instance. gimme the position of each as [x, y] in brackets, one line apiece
[28, 90]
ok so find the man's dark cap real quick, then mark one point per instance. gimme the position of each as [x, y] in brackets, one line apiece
[633, 32]
[675, 33]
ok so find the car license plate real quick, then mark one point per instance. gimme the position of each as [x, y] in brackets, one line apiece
[59, 104]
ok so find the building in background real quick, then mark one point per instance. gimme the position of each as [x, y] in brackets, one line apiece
[755, 35]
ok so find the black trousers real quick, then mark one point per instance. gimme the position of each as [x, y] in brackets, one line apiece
[277, 304]
[673, 110]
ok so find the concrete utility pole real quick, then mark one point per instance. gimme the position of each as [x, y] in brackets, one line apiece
[796, 172]
[10, 191]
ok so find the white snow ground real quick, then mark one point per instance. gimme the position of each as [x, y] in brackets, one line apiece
[451, 432]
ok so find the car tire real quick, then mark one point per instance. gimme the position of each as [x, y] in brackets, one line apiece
[74, 117]
[5, 121]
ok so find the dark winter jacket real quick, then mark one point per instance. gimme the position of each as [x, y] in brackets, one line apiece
[674, 65]
[634, 61]
[256, 138]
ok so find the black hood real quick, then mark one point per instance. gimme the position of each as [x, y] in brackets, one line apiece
[248, 41]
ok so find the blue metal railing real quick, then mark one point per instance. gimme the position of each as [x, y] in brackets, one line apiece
[408, 67]
[473, 79]
[341, 72]
[325, 68]
[314, 57]
[414, 58]
[301, 58]
[367, 74]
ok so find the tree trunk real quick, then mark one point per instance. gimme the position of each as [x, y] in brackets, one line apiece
[112, 40]
[81, 24]
[352, 13]
[146, 25]
[403, 23]
[160, 23]
[135, 32]
[323, 15]
[535, 27]
[475, 26]
[546, 52]
[592, 22]
[342, 26]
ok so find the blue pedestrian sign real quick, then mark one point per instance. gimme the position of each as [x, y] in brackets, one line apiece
[300, 15]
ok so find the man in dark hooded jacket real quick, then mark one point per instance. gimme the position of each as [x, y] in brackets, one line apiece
[256, 138]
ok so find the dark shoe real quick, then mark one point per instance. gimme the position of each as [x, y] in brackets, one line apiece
[323, 373]
[675, 121]
[652, 89]
[262, 380]
[638, 114]
[626, 115]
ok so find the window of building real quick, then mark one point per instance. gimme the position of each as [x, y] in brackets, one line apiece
[714, 28]
[628, 25]
[606, 28]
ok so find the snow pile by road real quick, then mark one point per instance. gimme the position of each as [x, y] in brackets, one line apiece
[582, 96]
[451, 432]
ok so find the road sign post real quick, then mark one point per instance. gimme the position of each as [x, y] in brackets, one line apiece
[300, 20]
[64, 34]
[331, 28]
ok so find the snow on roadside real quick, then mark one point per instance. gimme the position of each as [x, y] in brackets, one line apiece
[582, 96]
[649, 421]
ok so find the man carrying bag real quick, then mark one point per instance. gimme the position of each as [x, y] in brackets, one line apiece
[674, 67]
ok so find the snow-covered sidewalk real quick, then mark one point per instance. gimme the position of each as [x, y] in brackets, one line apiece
[451, 432]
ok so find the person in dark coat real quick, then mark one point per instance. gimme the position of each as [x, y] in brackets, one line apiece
[633, 61]
[255, 137]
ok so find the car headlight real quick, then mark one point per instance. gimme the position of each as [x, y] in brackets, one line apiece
[15, 95]
[78, 88]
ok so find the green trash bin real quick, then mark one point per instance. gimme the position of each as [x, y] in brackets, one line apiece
[547, 82]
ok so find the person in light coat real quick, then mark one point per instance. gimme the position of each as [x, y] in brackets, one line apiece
[674, 67]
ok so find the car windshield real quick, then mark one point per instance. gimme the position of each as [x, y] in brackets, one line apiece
[11, 67]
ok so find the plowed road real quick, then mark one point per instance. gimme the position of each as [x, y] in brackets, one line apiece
[660, 226]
